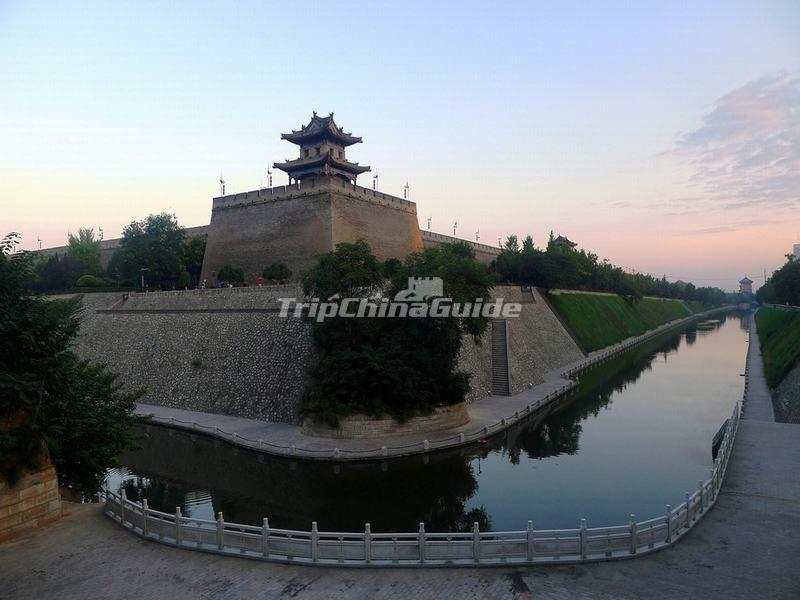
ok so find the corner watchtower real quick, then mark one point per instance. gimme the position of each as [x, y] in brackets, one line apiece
[322, 151]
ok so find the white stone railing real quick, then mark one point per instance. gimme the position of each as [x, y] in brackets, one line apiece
[420, 548]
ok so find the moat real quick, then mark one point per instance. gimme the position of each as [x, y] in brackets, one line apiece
[634, 436]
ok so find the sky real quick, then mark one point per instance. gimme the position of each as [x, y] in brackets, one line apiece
[662, 136]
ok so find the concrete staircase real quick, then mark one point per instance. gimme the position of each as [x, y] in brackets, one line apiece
[500, 385]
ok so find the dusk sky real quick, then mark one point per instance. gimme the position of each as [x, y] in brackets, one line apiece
[662, 136]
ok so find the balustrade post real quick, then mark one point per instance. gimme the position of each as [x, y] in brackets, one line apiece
[584, 538]
[702, 503]
[421, 539]
[314, 541]
[265, 537]
[476, 542]
[688, 509]
[145, 510]
[633, 534]
[367, 543]
[668, 520]
[220, 532]
[122, 498]
[178, 532]
[531, 549]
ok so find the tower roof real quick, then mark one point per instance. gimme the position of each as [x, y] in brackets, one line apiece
[321, 128]
[323, 164]
[746, 280]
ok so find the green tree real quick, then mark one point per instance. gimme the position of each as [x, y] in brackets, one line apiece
[194, 249]
[229, 274]
[84, 250]
[277, 272]
[155, 245]
[46, 393]
[404, 365]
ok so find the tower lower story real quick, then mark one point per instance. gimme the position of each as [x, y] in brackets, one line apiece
[295, 224]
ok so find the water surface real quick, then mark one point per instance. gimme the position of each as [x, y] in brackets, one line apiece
[634, 436]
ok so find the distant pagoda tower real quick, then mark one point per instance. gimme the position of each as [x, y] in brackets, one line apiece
[322, 151]
[746, 286]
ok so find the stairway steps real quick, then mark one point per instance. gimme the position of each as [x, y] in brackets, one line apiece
[499, 347]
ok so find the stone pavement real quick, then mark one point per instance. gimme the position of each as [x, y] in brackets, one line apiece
[758, 402]
[747, 546]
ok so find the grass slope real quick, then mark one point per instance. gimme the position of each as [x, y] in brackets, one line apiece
[779, 335]
[599, 321]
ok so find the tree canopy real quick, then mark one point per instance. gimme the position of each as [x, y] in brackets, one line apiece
[84, 250]
[153, 246]
[46, 393]
[783, 287]
[401, 366]
[561, 266]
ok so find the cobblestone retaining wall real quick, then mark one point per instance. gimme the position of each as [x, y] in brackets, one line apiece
[33, 502]
[786, 398]
[236, 363]
[255, 364]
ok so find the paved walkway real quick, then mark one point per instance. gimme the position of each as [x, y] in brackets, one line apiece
[487, 417]
[758, 402]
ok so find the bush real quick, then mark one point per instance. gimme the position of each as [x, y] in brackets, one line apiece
[91, 281]
[228, 274]
[277, 272]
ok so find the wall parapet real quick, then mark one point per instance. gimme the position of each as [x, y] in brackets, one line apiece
[309, 188]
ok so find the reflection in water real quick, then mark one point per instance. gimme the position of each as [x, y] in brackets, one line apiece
[631, 437]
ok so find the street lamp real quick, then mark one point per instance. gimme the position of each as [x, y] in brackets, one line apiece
[142, 270]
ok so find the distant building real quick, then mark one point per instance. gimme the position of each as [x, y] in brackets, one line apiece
[796, 252]
[561, 241]
[746, 286]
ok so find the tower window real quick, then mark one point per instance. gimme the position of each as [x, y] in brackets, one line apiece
[318, 149]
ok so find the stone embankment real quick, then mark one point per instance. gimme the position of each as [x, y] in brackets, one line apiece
[488, 416]
[229, 352]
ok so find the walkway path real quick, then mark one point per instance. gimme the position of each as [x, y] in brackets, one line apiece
[758, 402]
[487, 417]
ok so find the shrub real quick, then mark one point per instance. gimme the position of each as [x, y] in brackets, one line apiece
[277, 272]
[90, 281]
[228, 274]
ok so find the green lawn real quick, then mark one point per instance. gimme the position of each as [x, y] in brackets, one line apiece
[779, 335]
[599, 321]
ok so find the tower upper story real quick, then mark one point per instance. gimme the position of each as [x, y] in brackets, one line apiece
[322, 151]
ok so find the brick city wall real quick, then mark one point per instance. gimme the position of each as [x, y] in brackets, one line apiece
[32, 502]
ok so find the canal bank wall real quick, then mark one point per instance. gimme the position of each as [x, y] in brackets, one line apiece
[488, 417]
[229, 352]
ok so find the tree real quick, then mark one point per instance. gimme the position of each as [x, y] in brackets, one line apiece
[277, 272]
[155, 245]
[84, 250]
[194, 249]
[46, 393]
[783, 287]
[229, 274]
[403, 365]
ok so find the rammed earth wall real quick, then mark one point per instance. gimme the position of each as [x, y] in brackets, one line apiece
[229, 352]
